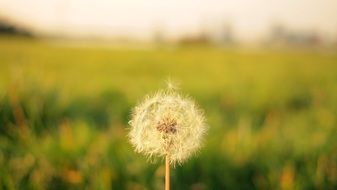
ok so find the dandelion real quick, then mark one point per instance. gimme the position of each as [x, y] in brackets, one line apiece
[168, 125]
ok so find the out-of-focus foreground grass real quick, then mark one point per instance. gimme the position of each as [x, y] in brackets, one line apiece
[64, 112]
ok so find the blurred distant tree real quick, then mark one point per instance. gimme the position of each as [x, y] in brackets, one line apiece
[6, 27]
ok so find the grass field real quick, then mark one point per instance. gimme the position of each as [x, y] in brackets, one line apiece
[64, 110]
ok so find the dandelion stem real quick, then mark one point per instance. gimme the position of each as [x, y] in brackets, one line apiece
[167, 173]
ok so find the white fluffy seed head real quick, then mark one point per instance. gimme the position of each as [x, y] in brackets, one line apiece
[167, 124]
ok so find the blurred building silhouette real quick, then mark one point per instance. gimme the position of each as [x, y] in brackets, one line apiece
[281, 35]
[218, 34]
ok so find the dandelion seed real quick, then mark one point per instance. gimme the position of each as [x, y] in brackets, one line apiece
[167, 124]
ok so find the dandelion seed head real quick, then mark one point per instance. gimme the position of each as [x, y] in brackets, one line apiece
[167, 123]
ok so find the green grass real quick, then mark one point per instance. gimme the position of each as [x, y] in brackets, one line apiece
[64, 112]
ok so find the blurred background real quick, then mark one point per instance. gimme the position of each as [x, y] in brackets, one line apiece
[265, 73]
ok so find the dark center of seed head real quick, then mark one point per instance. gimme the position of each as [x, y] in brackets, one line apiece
[167, 125]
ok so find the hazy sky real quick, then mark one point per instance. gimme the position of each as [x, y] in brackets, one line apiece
[248, 18]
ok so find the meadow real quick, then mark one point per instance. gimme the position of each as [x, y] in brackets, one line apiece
[64, 111]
